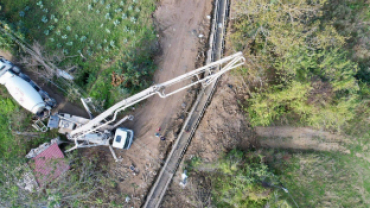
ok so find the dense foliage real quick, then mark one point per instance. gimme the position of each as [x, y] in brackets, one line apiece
[241, 179]
[298, 63]
[95, 36]
[5, 41]
[16, 134]
[308, 65]
[6, 138]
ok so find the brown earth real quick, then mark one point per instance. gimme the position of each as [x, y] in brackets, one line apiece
[222, 128]
[179, 24]
[6, 54]
[301, 138]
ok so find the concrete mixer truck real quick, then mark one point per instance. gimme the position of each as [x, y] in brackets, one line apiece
[26, 92]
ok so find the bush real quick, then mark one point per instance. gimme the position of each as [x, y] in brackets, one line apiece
[241, 179]
[321, 179]
[299, 60]
[94, 36]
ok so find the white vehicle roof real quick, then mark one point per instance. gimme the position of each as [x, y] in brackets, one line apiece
[120, 138]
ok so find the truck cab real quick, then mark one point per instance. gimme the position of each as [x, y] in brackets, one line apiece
[123, 138]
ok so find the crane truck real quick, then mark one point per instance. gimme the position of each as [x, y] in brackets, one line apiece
[104, 128]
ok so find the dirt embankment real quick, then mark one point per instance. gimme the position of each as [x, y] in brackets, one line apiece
[222, 128]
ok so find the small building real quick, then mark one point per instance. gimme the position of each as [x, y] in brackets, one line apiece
[48, 164]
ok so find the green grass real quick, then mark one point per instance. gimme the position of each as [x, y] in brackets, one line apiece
[313, 179]
[237, 178]
[96, 35]
[323, 179]
[14, 120]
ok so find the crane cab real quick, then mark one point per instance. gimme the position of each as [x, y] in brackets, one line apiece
[123, 138]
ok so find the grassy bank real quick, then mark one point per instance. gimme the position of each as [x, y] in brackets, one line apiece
[307, 65]
[240, 179]
[97, 37]
[323, 179]
[302, 67]
[17, 136]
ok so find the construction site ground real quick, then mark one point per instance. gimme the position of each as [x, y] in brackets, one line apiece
[183, 28]
[179, 23]
[224, 126]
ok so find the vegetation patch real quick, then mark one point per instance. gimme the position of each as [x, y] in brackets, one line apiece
[85, 185]
[301, 67]
[241, 179]
[323, 179]
[17, 136]
[97, 37]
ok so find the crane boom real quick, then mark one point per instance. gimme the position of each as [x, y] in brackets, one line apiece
[100, 121]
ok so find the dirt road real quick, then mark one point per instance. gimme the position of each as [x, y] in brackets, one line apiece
[179, 24]
[301, 138]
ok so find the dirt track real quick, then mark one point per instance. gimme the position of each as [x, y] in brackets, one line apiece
[179, 24]
[6, 55]
[301, 138]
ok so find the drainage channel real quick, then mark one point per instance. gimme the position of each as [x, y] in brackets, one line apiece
[216, 43]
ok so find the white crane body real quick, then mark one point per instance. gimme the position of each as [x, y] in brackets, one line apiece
[104, 127]
[86, 133]
[232, 61]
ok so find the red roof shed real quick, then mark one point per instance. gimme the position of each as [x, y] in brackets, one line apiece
[48, 165]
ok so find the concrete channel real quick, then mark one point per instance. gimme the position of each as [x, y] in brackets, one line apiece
[215, 52]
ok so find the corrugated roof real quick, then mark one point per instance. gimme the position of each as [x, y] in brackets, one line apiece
[49, 165]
